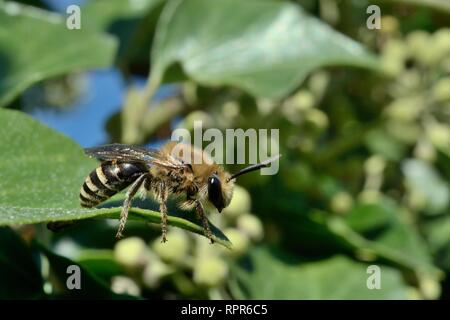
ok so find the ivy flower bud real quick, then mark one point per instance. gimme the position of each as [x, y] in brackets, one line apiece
[239, 240]
[251, 226]
[317, 118]
[303, 100]
[210, 272]
[439, 135]
[441, 42]
[441, 90]
[131, 252]
[341, 202]
[375, 165]
[421, 46]
[394, 56]
[125, 285]
[154, 271]
[175, 249]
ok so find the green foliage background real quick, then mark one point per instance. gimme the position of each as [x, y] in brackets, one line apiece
[364, 131]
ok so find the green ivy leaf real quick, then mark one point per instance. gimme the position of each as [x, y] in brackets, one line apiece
[379, 229]
[42, 172]
[266, 48]
[101, 262]
[385, 236]
[270, 274]
[375, 232]
[36, 44]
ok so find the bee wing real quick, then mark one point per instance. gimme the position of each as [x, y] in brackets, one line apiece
[125, 152]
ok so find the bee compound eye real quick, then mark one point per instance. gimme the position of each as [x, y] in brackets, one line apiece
[215, 192]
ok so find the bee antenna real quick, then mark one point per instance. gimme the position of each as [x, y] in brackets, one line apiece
[254, 167]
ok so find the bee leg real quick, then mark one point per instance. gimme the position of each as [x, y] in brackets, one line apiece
[127, 204]
[201, 213]
[163, 209]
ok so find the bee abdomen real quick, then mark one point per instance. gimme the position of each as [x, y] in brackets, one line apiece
[108, 179]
